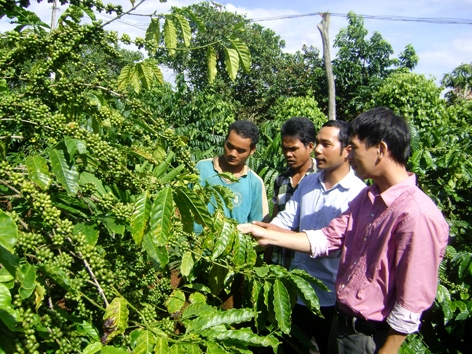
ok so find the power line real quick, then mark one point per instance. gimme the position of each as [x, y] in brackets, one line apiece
[436, 20]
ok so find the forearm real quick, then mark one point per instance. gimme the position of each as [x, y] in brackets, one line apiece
[393, 343]
[297, 241]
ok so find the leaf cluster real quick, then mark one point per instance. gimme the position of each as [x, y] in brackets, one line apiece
[99, 199]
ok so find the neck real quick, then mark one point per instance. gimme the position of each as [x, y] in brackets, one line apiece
[298, 173]
[392, 175]
[333, 177]
[225, 167]
[302, 169]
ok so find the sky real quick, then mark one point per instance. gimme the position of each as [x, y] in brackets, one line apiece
[440, 47]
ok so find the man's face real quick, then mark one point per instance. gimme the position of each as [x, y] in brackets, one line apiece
[237, 149]
[295, 152]
[328, 152]
[363, 159]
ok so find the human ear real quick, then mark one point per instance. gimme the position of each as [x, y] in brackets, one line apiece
[345, 151]
[382, 149]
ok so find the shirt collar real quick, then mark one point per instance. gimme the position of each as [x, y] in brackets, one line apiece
[345, 183]
[391, 194]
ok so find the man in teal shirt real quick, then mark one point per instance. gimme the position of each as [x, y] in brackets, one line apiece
[250, 200]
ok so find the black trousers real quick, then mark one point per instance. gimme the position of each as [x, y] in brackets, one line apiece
[344, 340]
[313, 326]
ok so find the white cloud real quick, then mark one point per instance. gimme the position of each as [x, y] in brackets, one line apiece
[441, 48]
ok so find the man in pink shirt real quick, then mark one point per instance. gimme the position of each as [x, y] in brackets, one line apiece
[392, 240]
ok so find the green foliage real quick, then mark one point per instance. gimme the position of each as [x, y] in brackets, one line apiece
[446, 324]
[201, 117]
[288, 107]
[98, 193]
[459, 81]
[360, 65]
[98, 199]
[414, 97]
[273, 73]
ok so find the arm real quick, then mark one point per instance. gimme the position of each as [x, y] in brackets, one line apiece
[393, 343]
[269, 250]
[297, 241]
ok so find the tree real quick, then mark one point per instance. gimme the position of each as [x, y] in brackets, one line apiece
[273, 73]
[201, 116]
[459, 81]
[98, 198]
[414, 97]
[361, 64]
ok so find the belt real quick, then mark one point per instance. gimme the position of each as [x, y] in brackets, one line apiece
[360, 325]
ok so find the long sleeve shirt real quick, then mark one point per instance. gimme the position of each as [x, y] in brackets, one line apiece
[312, 207]
[392, 244]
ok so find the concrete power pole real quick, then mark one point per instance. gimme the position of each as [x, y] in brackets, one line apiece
[54, 15]
[52, 77]
[324, 30]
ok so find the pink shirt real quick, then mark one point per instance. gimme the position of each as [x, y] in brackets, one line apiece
[392, 244]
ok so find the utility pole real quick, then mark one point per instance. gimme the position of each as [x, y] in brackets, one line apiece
[52, 77]
[53, 15]
[324, 30]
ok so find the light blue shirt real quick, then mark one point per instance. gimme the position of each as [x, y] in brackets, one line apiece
[312, 207]
[250, 198]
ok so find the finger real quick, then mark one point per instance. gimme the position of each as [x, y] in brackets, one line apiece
[261, 224]
[244, 228]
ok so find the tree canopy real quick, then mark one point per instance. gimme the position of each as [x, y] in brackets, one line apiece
[272, 74]
[361, 63]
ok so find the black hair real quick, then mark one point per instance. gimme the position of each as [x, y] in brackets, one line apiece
[382, 124]
[343, 127]
[246, 130]
[300, 128]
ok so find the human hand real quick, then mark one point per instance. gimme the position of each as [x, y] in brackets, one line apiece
[253, 229]
[269, 226]
[256, 231]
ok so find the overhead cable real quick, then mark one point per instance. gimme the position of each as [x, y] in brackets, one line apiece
[436, 20]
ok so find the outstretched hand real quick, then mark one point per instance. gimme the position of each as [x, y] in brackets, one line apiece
[268, 234]
[256, 231]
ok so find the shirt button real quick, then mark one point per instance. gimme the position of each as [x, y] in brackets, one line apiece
[342, 286]
[365, 238]
[372, 214]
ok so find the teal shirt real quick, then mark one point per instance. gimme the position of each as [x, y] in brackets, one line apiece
[250, 199]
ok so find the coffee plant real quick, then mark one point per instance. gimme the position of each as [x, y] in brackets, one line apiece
[98, 200]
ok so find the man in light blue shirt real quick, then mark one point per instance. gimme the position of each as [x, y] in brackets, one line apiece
[250, 199]
[320, 197]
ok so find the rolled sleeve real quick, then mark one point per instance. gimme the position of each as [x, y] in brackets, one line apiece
[402, 320]
[318, 242]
